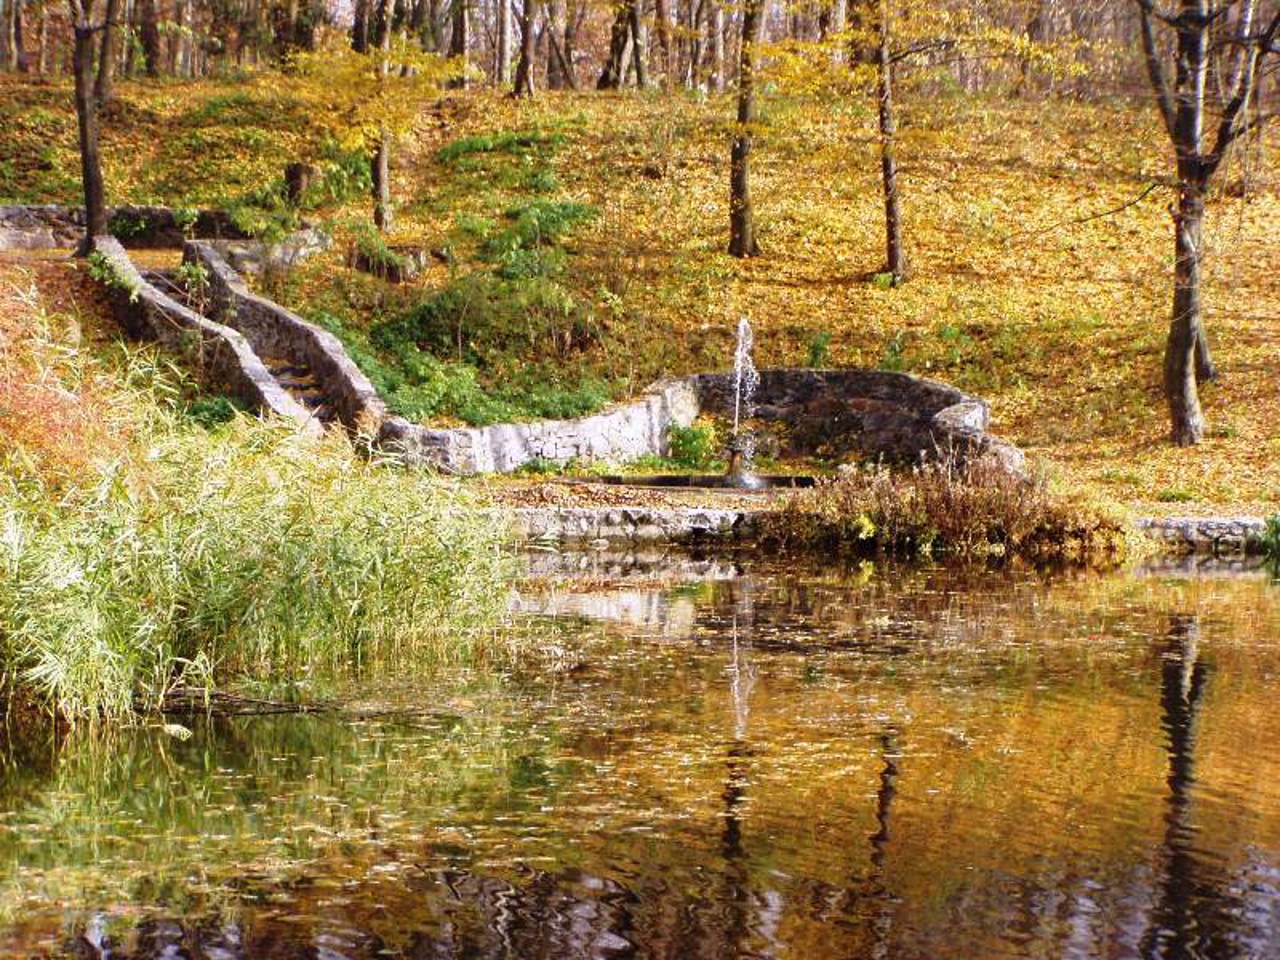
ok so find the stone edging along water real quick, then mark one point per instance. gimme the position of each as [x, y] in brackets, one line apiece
[626, 527]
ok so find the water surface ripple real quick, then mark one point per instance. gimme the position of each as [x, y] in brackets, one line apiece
[758, 762]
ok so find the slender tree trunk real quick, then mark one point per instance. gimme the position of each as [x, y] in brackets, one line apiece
[382, 158]
[107, 58]
[556, 79]
[130, 67]
[360, 27]
[837, 26]
[524, 69]
[20, 58]
[574, 15]
[1185, 329]
[6, 35]
[639, 45]
[662, 13]
[895, 259]
[87, 118]
[717, 46]
[742, 235]
[458, 38]
[502, 75]
[524, 86]
[42, 41]
[614, 65]
[1187, 420]
[149, 36]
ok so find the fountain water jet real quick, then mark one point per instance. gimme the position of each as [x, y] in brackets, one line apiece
[745, 381]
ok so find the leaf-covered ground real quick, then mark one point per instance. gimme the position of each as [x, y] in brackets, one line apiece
[1024, 290]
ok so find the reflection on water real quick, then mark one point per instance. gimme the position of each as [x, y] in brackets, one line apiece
[781, 764]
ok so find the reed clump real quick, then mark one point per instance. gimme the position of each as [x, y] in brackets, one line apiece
[250, 553]
[968, 510]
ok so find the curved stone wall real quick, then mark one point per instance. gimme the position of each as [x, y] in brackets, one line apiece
[622, 432]
[866, 413]
[869, 413]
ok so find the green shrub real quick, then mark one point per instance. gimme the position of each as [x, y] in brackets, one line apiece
[973, 510]
[381, 259]
[537, 223]
[510, 141]
[211, 412]
[694, 446]
[252, 554]
[126, 226]
[819, 350]
[1271, 538]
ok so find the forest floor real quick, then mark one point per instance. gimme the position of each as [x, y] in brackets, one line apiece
[582, 235]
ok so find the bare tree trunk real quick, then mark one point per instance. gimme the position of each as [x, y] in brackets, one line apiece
[360, 27]
[433, 34]
[639, 45]
[895, 259]
[458, 39]
[837, 26]
[382, 158]
[87, 118]
[6, 35]
[717, 46]
[524, 69]
[20, 58]
[1184, 330]
[575, 15]
[130, 66]
[502, 75]
[556, 72]
[614, 66]
[742, 235]
[663, 15]
[107, 58]
[42, 41]
[149, 36]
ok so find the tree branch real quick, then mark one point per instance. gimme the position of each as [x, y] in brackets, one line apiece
[1151, 187]
[1155, 69]
[1229, 127]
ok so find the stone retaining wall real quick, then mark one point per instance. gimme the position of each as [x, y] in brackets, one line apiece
[622, 432]
[55, 227]
[869, 413]
[274, 331]
[833, 412]
[220, 357]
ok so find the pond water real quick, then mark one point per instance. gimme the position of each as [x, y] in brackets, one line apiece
[718, 760]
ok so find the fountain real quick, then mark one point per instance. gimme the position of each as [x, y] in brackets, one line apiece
[745, 380]
[740, 448]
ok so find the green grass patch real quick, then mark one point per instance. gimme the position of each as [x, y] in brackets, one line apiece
[512, 142]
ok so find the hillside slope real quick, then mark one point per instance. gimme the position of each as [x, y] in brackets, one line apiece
[1040, 245]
